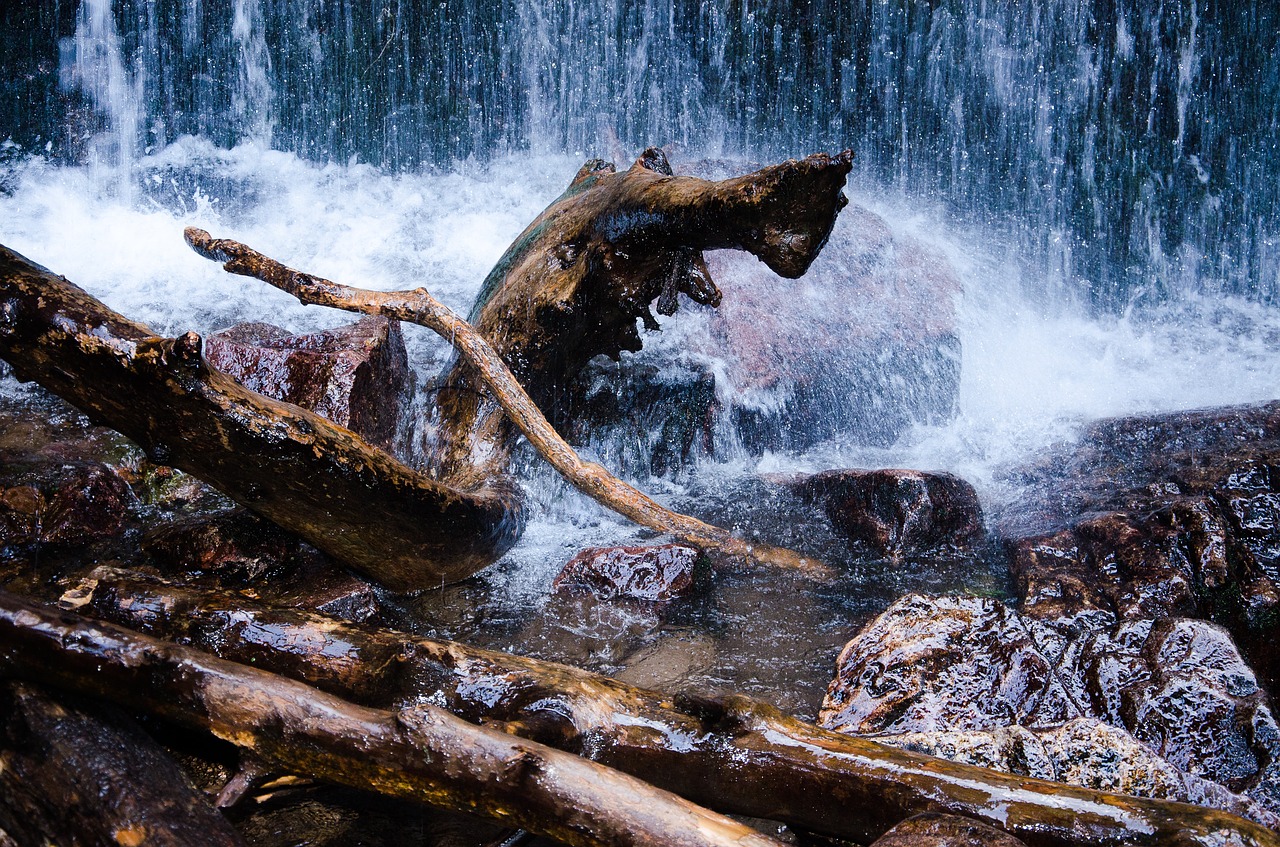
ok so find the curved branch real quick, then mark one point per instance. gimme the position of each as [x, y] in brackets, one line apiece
[419, 307]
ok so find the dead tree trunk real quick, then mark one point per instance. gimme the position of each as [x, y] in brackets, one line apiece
[421, 753]
[574, 283]
[731, 753]
[572, 286]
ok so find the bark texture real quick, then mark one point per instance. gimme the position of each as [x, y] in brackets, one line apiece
[419, 753]
[79, 775]
[295, 468]
[732, 753]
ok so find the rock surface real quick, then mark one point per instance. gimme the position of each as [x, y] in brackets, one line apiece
[931, 829]
[356, 376]
[970, 678]
[897, 511]
[1156, 516]
[658, 573]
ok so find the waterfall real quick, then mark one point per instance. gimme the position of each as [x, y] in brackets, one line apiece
[1126, 149]
[94, 63]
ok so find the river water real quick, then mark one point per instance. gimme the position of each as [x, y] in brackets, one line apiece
[1106, 199]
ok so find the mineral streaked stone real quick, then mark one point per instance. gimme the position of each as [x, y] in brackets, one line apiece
[969, 678]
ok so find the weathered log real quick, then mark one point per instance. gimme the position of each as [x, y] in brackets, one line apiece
[574, 283]
[295, 468]
[731, 753]
[418, 306]
[420, 752]
[81, 777]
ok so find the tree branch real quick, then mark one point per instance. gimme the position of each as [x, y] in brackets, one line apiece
[419, 307]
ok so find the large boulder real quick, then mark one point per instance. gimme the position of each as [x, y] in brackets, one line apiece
[356, 376]
[1163, 515]
[971, 679]
[890, 512]
[863, 345]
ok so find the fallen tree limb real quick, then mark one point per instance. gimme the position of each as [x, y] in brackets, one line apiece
[418, 306]
[421, 753]
[81, 777]
[301, 471]
[732, 753]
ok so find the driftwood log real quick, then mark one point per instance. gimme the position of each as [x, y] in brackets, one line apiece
[418, 306]
[571, 287]
[78, 775]
[731, 753]
[420, 753]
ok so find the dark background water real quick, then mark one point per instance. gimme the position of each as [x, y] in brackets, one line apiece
[1127, 147]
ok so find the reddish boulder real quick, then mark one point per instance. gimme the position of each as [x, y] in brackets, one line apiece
[65, 503]
[893, 512]
[658, 573]
[863, 345]
[356, 376]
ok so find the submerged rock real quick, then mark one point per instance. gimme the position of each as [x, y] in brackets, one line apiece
[969, 678]
[356, 376]
[658, 573]
[897, 511]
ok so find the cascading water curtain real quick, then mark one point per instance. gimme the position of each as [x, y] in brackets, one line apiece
[1127, 147]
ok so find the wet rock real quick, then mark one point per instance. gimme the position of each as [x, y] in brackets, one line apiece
[356, 376]
[63, 503]
[864, 344]
[897, 511]
[320, 586]
[947, 663]
[643, 417]
[1164, 515]
[968, 675]
[234, 544]
[932, 829]
[657, 573]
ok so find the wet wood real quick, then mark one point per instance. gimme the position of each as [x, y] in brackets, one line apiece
[418, 306]
[572, 287]
[419, 752]
[301, 471]
[731, 753]
[77, 774]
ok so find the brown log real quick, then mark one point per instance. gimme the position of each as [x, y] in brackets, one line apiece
[81, 776]
[731, 753]
[295, 468]
[420, 753]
